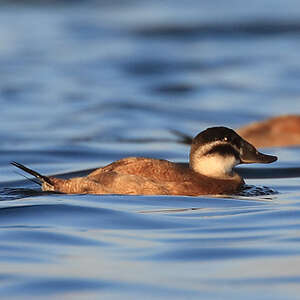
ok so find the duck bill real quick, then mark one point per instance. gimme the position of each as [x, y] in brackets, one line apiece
[250, 155]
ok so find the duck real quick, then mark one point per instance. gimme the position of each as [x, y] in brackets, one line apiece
[214, 153]
[278, 131]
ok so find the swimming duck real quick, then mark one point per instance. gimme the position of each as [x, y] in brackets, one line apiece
[213, 155]
[280, 131]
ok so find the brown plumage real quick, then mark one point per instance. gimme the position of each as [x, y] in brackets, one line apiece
[214, 152]
[279, 131]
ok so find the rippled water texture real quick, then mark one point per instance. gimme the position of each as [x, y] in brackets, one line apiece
[83, 83]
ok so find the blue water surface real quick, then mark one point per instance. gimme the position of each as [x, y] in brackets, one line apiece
[84, 83]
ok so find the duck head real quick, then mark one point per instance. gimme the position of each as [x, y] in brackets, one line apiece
[217, 150]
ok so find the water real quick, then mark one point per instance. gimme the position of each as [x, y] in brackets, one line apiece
[83, 83]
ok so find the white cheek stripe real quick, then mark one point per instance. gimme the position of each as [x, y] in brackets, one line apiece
[213, 165]
[216, 165]
[207, 147]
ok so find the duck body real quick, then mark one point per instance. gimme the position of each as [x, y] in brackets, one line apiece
[147, 176]
[280, 131]
[214, 153]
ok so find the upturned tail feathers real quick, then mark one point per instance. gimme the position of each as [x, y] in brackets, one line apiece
[42, 178]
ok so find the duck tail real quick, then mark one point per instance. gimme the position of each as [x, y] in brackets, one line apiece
[42, 179]
[184, 138]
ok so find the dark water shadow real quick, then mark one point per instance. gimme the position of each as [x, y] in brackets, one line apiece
[159, 67]
[56, 286]
[74, 215]
[220, 253]
[9, 194]
[45, 236]
[59, 286]
[257, 27]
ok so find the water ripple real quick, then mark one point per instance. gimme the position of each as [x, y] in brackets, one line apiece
[259, 27]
